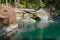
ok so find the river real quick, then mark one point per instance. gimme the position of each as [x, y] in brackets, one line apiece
[43, 30]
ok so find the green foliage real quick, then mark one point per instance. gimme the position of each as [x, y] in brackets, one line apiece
[58, 4]
[35, 4]
[42, 4]
[21, 6]
[31, 3]
[0, 1]
[4, 1]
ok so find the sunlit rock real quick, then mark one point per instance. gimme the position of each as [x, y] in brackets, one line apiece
[27, 18]
[43, 14]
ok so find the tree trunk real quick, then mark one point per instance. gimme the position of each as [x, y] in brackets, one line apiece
[40, 0]
[10, 1]
[6, 2]
[15, 3]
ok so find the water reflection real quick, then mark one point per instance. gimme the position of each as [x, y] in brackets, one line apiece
[42, 24]
[31, 30]
[52, 31]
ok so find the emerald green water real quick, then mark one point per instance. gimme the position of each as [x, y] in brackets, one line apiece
[42, 30]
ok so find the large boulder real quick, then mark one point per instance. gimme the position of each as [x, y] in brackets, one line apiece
[43, 14]
[8, 14]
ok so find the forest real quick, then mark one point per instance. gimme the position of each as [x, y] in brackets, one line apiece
[35, 4]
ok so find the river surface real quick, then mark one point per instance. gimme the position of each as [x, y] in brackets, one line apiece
[43, 30]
